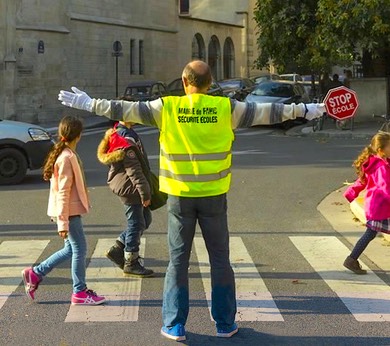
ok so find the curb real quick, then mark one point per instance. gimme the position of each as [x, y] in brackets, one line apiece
[307, 131]
[337, 211]
[357, 208]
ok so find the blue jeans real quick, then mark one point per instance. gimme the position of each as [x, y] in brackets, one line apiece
[75, 247]
[211, 213]
[138, 220]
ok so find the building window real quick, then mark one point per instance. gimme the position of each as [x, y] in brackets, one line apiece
[184, 6]
[132, 56]
[141, 56]
[198, 48]
[228, 59]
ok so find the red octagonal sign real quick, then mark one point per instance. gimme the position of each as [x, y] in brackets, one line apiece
[341, 103]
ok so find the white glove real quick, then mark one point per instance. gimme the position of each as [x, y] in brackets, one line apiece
[314, 110]
[76, 99]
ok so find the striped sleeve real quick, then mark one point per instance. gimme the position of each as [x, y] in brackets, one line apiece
[246, 114]
[147, 113]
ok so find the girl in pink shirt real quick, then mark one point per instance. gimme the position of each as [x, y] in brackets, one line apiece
[68, 200]
[373, 170]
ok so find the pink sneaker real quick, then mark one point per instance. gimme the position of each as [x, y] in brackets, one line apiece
[87, 297]
[31, 282]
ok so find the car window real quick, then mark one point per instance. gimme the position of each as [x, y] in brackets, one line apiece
[137, 91]
[214, 85]
[161, 89]
[274, 89]
[248, 83]
[300, 89]
[287, 77]
[262, 79]
[177, 84]
[155, 91]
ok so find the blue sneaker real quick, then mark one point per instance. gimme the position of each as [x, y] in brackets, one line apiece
[177, 332]
[228, 332]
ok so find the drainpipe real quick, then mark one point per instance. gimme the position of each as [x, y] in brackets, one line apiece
[246, 39]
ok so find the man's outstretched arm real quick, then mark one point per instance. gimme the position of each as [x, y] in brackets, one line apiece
[247, 114]
[146, 113]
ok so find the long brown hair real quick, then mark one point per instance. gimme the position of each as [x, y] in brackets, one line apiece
[69, 129]
[378, 142]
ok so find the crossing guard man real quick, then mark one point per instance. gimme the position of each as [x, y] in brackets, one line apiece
[196, 135]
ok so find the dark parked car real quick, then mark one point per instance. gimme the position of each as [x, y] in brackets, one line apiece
[237, 88]
[147, 90]
[22, 146]
[176, 88]
[278, 92]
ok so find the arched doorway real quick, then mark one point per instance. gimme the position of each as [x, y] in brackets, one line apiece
[228, 59]
[198, 48]
[214, 60]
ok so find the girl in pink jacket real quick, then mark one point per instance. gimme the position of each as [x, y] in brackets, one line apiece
[373, 170]
[68, 200]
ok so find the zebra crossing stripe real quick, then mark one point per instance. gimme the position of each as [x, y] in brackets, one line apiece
[254, 301]
[13, 259]
[367, 297]
[122, 293]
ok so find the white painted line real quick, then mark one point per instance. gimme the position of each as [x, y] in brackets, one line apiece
[254, 301]
[16, 255]
[249, 152]
[367, 297]
[122, 293]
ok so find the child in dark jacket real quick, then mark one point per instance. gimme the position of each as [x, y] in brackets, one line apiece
[121, 149]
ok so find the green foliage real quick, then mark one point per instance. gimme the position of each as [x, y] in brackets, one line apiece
[317, 34]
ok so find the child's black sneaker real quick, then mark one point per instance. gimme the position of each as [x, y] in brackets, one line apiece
[135, 268]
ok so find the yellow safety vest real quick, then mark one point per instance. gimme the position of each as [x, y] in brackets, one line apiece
[195, 145]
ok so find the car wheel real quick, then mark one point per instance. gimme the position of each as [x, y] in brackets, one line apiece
[13, 166]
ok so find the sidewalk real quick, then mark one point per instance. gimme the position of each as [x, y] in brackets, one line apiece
[337, 211]
[365, 129]
[361, 129]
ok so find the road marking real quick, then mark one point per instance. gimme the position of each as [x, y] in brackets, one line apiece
[249, 152]
[14, 257]
[252, 132]
[122, 293]
[254, 301]
[367, 297]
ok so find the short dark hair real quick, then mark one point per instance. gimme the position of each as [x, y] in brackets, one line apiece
[197, 78]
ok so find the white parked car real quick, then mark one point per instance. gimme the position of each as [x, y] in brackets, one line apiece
[293, 77]
[23, 146]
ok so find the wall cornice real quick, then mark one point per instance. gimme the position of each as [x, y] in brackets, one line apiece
[43, 27]
[117, 22]
[188, 17]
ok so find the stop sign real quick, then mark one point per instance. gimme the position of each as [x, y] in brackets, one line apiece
[341, 103]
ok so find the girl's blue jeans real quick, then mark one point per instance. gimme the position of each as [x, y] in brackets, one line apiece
[211, 214]
[75, 248]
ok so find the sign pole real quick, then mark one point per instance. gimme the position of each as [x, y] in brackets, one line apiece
[117, 52]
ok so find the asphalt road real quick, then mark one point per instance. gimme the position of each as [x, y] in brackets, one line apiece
[278, 182]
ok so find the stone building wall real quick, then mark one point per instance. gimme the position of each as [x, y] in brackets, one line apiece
[50, 45]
